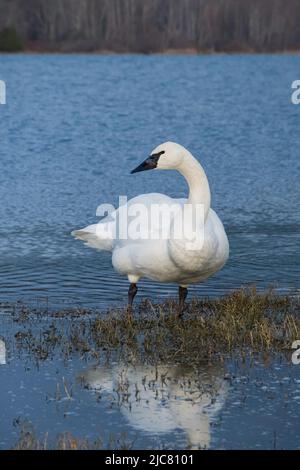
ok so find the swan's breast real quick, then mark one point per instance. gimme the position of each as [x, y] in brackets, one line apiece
[203, 257]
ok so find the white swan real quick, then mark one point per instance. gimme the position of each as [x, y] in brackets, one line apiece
[158, 253]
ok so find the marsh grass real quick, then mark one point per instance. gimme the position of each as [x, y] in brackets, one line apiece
[243, 320]
[29, 440]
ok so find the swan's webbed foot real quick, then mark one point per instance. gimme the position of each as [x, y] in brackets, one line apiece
[182, 296]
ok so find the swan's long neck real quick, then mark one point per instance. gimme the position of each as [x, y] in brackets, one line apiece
[199, 192]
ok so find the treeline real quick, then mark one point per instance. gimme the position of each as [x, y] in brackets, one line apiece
[150, 25]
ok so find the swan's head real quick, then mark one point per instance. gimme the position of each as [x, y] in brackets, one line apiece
[167, 156]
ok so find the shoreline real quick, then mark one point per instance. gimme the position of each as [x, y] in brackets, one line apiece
[245, 320]
[167, 52]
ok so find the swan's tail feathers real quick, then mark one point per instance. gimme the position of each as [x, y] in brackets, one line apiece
[96, 236]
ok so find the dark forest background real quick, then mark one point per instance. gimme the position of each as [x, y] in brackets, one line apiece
[150, 25]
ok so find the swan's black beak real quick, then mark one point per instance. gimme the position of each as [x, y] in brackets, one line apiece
[149, 164]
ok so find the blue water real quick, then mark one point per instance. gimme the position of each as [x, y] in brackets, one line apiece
[73, 128]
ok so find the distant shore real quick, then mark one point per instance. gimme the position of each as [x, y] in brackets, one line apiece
[150, 26]
[166, 52]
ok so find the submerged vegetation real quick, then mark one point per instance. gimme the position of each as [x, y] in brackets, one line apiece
[242, 320]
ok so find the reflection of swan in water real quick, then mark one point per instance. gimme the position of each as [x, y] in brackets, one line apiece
[164, 398]
[2, 353]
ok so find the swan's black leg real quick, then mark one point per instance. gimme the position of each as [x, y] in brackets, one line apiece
[182, 296]
[132, 293]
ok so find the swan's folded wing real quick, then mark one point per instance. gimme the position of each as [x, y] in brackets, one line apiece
[148, 217]
[114, 229]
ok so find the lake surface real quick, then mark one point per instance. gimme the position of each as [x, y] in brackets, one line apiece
[71, 131]
[73, 128]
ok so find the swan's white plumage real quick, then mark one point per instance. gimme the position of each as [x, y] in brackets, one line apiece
[161, 259]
